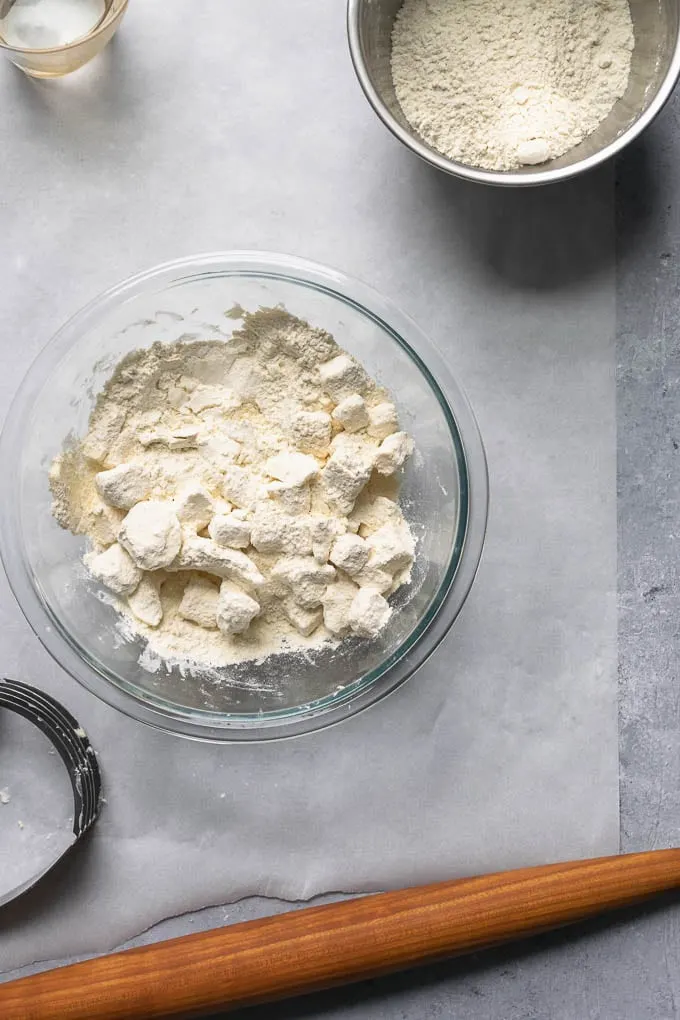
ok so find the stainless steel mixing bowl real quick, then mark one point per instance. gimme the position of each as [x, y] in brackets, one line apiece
[654, 73]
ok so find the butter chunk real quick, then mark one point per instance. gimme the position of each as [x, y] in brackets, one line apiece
[346, 472]
[370, 514]
[151, 534]
[292, 468]
[350, 553]
[311, 431]
[369, 613]
[373, 576]
[337, 603]
[199, 603]
[324, 531]
[392, 547]
[382, 420]
[275, 532]
[294, 499]
[240, 486]
[229, 530]
[235, 609]
[203, 554]
[392, 453]
[305, 578]
[124, 485]
[194, 506]
[204, 397]
[115, 569]
[145, 602]
[305, 621]
[342, 376]
[351, 413]
[105, 428]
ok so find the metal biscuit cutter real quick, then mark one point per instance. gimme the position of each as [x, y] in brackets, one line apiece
[73, 746]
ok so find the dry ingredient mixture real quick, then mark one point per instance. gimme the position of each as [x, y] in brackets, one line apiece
[240, 498]
[500, 84]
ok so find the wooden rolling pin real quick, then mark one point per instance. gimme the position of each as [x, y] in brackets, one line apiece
[318, 947]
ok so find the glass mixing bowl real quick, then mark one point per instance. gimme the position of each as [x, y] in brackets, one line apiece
[444, 497]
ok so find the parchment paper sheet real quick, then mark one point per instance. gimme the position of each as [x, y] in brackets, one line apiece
[241, 125]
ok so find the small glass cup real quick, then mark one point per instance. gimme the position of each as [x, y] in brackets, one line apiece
[56, 61]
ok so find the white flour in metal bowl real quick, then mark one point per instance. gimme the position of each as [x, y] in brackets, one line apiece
[241, 498]
[500, 84]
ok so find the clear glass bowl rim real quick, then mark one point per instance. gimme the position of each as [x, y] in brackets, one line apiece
[458, 578]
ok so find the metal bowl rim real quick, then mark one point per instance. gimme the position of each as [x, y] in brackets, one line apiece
[506, 178]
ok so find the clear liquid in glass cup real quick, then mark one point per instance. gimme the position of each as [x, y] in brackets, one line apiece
[41, 24]
[51, 38]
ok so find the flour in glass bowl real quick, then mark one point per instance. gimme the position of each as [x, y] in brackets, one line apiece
[501, 84]
[240, 498]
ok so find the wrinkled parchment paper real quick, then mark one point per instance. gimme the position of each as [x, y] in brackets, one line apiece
[249, 130]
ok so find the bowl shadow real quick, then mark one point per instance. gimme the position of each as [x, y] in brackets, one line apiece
[644, 191]
[543, 238]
